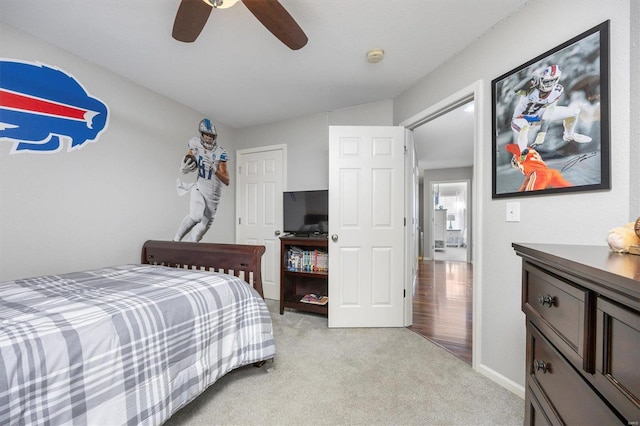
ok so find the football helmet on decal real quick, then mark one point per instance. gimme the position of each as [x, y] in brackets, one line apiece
[208, 133]
[549, 78]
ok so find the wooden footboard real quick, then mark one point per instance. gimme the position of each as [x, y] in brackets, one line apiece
[240, 260]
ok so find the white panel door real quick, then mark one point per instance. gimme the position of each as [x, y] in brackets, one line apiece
[366, 226]
[260, 177]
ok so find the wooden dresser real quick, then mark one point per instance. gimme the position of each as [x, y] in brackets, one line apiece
[582, 305]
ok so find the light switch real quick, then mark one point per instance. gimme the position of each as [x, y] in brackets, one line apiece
[513, 212]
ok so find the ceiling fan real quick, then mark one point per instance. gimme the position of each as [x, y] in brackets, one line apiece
[193, 14]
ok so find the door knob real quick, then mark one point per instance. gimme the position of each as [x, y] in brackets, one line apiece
[277, 232]
[334, 238]
[541, 366]
[547, 299]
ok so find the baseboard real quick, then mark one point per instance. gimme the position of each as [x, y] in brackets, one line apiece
[506, 383]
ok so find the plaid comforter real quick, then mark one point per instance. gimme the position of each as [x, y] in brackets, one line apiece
[123, 345]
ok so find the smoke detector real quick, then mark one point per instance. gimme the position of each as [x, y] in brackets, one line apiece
[375, 55]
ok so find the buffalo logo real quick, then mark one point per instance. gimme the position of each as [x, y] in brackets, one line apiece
[42, 107]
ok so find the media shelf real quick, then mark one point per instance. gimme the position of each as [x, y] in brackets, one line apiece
[296, 282]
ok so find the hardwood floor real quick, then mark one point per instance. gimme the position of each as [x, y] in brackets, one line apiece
[442, 304]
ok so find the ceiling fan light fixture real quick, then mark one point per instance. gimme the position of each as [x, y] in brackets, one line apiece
[192, 15]
[221, 4]
[375, 55]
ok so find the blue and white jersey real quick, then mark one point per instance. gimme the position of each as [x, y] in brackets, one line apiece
[208, 160]
[533, 103]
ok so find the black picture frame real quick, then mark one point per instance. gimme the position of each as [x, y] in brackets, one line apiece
[579, 164]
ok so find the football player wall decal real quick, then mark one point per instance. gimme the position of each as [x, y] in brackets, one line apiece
[210, 161]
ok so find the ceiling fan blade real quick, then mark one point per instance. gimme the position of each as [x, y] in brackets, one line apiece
[277, 20]
[190, 20]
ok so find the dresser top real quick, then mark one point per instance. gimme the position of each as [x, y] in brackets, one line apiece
[619, 271]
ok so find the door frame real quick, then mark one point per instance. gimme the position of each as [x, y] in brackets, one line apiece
[412, 219]
[475, 92]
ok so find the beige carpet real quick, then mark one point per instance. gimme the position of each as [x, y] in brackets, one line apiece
[377, 376]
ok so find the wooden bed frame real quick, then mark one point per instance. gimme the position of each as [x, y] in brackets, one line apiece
[240, 260]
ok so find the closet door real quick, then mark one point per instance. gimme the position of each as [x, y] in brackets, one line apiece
[260, 178]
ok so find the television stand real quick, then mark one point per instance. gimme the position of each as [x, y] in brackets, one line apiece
[306, 235]
[298, 280]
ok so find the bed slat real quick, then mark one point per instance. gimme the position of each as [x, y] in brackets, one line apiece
[240, 260]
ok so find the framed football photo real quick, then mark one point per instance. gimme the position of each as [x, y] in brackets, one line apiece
[551, 120]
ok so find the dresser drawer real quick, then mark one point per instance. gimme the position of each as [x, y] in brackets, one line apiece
[618, 357]
[535, 414]
[555, 383]
[561, 310]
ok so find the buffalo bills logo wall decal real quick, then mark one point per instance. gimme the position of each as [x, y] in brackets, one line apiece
[43, 108]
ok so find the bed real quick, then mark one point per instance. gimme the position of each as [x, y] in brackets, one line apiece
[131, 344]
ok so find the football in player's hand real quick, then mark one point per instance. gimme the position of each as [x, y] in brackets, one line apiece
[189, 163]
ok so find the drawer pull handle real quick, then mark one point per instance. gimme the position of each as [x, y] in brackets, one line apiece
[547, 299]
[540, 365]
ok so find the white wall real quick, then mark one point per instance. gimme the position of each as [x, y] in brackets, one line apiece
[96, 206]
[307, 140]
[634, 106]
[581, 218]
[307, 148]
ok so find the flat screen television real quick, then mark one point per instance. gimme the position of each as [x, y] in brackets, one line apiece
[306, 212]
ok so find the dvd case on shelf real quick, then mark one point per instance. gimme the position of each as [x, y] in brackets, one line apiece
[315, 299]
[307, 260]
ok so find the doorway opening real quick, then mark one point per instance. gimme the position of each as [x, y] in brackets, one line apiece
[441, 172]
[442, 305]
[450, 226]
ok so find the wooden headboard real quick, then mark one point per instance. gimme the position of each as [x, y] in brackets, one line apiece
[240, 260]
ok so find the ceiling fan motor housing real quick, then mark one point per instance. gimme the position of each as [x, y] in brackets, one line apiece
[192, 15]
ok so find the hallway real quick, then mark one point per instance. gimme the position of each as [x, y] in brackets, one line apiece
[442, 305]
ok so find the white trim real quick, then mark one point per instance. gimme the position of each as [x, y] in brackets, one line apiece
[474, 91]
[282, 147]
[503, 381]
[478, 196]
[411, 201]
